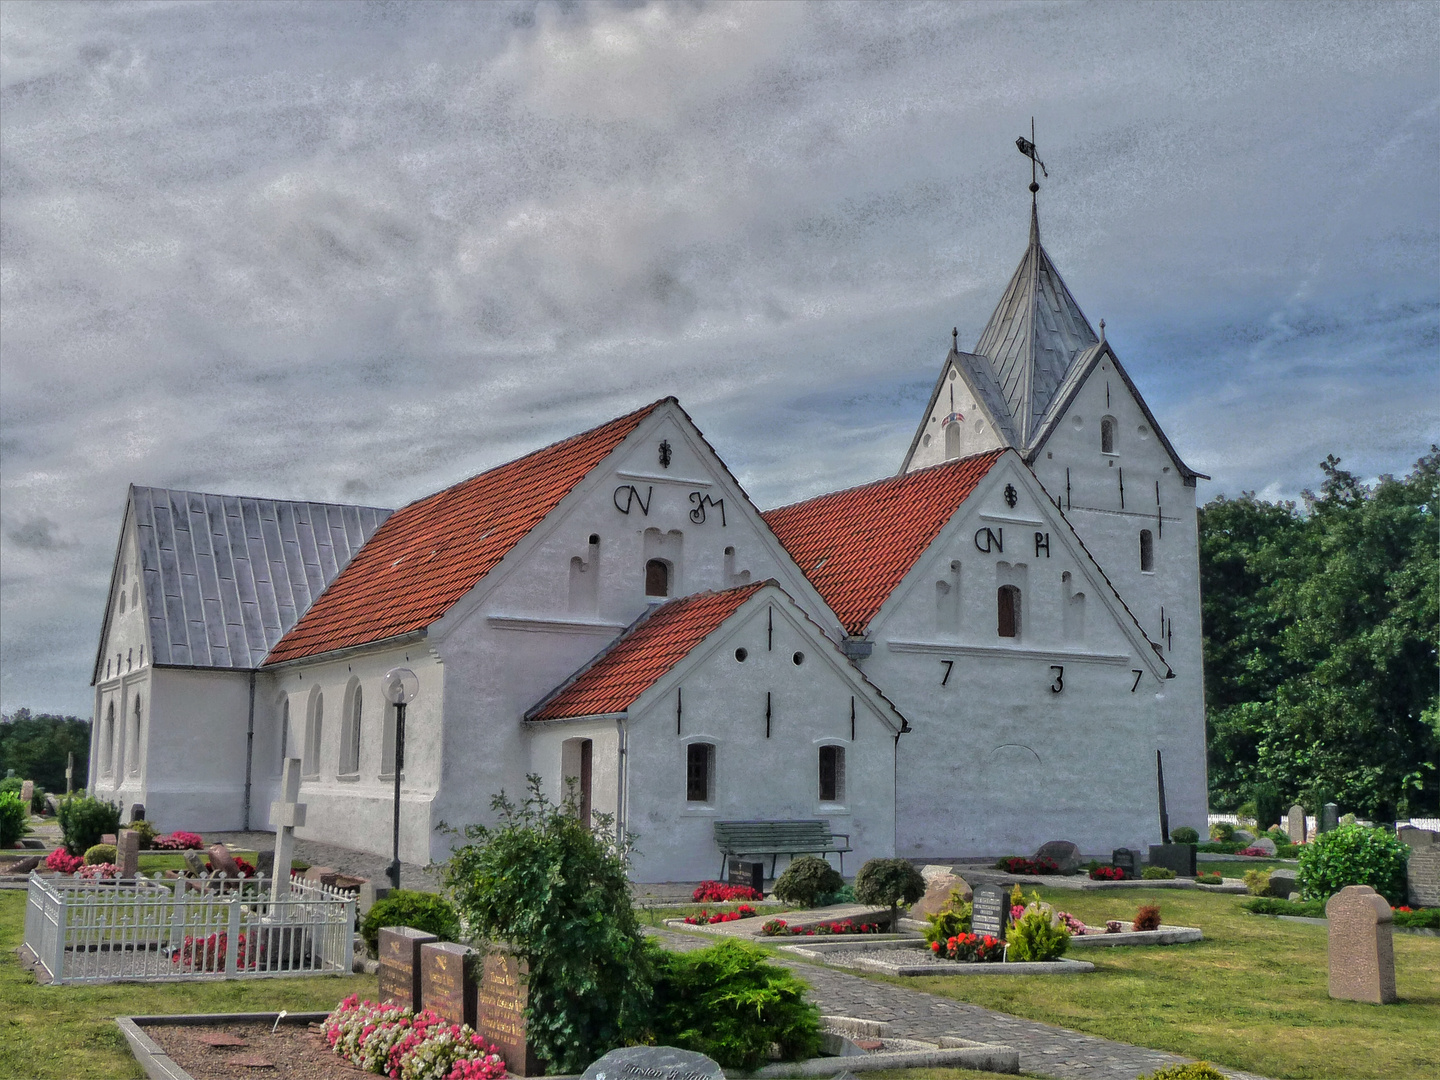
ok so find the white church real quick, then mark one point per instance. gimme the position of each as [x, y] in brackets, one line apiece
[973, 656]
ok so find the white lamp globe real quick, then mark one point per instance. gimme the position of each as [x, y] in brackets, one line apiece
[400, 686]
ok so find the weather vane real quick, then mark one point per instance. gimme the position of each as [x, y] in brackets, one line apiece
[1027, 147]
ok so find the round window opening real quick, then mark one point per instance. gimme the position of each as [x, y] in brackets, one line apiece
[798, 658]
[740, 655]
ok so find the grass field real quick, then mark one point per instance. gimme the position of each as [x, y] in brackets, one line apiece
[1253, 995]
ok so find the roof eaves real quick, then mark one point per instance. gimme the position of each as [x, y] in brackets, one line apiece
[535, 710]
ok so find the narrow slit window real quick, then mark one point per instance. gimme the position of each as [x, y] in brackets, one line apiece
[314, 723]
[351, 763]
[284, 735]
[699, 772]
[832, 774]
[107, 749]
[1147, 551]
[1007, 603]
[135, 740]
[657, 578]
[1107, 435]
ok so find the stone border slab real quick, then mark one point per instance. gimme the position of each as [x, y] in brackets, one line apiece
[1166, 935]
[158, 1064]
[987, 1057]
[837, 958]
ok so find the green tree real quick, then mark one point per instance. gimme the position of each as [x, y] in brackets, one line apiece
[36, 747]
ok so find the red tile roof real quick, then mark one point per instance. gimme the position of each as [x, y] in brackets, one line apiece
[652, 646]
[427, 556]
[856, 545]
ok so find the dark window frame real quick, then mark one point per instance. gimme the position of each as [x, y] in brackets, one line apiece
[699, 772]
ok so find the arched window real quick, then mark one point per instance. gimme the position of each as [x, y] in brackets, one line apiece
[284, 735]
[314, 722]
[1147, 552]
[107, 747]
[657, 578]
[135, 739]
[832, 774]
[699, 772]
[1107, 435]
[952, 441]
[1007, 603]
[350, 742]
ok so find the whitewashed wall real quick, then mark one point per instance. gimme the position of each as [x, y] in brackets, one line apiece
[971, 433]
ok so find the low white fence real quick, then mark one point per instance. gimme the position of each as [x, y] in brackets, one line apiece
[83, 930]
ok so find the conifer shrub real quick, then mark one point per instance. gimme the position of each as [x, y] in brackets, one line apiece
[14, 819]
[1257, 882]
[728, 1003]
[891, 882]
[1194, 1070]
[1353, 855]
[84, 820]
[417, 910]
[1037, 936]
[558, 892]
[1222, 831]
[96, 854]
[807, 879]
[950, 921]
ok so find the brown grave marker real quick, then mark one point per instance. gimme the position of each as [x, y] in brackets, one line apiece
[399, 948]
[127, 853]
[223, 861]
[504, 994]
[27, 792]
[1295, 824]
[1362, 950]
[447, 981]
[1422, 869]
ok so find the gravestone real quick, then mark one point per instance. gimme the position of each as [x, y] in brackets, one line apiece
[447, 981]
[127, 853]
[23, 866]
[1329, 817]
[193, 862]
[286, 814]
[265, 863]
[1283, 882]
[27, 793]
[137, 812]
[990, 912]
[223, 861]
[1245, 836]
[1177, 857]
[1295, 824]
[1128, 860]
[399, 948]
[108, 838]
[1422, 869]
[1265, 844]
[501, 1001]
[1065, 854]
[1362, 949]
[653, 1063]
[739, 872]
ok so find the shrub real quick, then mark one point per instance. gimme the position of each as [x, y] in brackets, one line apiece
[1257, 882]
[83, 821]
[1195, 1070]
[1279, 835]
[559, 892]
[146, 831]
[1147, 917]
[1273, 905]
[1346, 819]
[1423, 919]
[1209, 879]
[1222, 831]
[1185, 835]
[1035, 936]
[951, 920]
[1158, 873]
[806, 880]
[1269, 807]
[11, 785]
[1353, 855]
[14, 819]
[96, 854]
[843, 895]
[728, 1003]
[62, 862]
[889, 881]
[717, 892]
[418, 910]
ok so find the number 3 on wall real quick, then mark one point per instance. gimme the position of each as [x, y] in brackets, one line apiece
[1059, 683]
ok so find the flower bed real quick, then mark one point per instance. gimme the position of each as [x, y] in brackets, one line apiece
[970, 949]
[99, 871]
[178, 841]
[1107, 873]
[1256, 853]
[717, 892]
[780, 928]
[1019, 865]
[405, 1045]
[62, 862]
[247, 869]
[705, 918]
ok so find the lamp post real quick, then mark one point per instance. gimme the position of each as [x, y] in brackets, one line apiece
[401, 688]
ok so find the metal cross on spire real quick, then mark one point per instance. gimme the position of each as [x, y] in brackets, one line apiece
[1027, 147]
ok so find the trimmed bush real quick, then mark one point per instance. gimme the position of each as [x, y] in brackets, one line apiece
[1353, 855]
[83, 821]
[891, 882]
[1222, 831]
[1273, 905]
[1424, 919]
[1036, 936]
[807, 879]
[147, 833]
[1185, 835]
[1158, 873]
[96, 854]
[729, 1003]
[1195, 1070]
[14, 819]
[1147, 917]
[417, 910]
[1257, 882]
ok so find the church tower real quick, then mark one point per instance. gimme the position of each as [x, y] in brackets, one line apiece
[1041, 380]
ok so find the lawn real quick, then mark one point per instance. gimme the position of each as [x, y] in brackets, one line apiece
[1251, 996]
[69, 1031]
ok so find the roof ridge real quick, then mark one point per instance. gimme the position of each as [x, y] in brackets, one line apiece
[258, 498]
[893, 478]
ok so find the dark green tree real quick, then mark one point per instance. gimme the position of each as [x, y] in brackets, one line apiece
[36, 747]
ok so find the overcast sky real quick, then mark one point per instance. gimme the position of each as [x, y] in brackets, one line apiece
[356, 252]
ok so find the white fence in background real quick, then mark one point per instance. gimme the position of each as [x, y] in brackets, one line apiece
[84, 931]
[1418, 822]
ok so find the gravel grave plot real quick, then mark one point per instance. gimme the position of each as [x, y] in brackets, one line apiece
[227, 1051]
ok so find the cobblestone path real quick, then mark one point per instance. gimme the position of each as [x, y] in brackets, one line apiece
[1045, 1050]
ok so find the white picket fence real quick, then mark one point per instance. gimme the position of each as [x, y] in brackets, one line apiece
[85, 931]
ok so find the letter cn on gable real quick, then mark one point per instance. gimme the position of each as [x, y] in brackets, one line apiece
[628, 495]
[994, 540]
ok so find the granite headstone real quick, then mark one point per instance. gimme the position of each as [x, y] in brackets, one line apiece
[938, 890]
[1422, 869]
[1265, 844]
[501, 1000]
[653, 1063]
[399, 948]
[1283, 882]
[990, 910]
[740, 872]
[1127, 859]
[1177, 857]
[1295, 824]
[27, 793]
[127, 853]
[447, 981]
[1362, 948]
[1329, 817]
[1062, 852]
[223, 861]
[194, 862]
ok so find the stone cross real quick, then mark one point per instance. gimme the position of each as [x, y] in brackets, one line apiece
[1422, 868]
[1329, 817]
[285, 815]
[1362, 948]
[1295, 824]
[70, 773]
[127, 853]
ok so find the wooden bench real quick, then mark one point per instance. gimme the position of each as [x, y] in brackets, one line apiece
[776, 838]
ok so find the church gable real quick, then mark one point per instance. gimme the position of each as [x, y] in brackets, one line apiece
[966, 415]
[124, 638]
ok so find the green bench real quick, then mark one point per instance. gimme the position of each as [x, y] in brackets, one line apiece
[776, 838]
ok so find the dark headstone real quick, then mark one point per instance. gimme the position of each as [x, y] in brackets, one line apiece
[1177, 857]
[990, 910]
[447, 981]
[265, 863]
[1329, 817]
[738, 872]
[1362, 949]
[400, 964]
[501, 1001]
[653, 1063]
[137, 812]
[1128, 860]
[22, 866]
[1062, 852]
[1422, 869]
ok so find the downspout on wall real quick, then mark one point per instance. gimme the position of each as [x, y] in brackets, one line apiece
[249, 755]
[622, 795]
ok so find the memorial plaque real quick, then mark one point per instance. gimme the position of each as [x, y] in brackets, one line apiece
[1329, 817]
[990, 911]
[447, 981]
[1128, 860]
[1177, 857]
[752, 874]
[653, 1063]
[503, 995]
[399, 948]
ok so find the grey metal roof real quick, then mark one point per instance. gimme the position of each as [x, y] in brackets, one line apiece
[1033, 338]
[226, 576]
